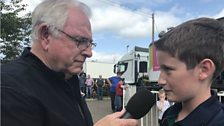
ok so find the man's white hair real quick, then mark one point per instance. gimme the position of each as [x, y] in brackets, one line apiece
[54, 12]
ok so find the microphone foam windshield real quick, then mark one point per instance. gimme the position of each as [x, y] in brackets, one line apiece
[140, 103]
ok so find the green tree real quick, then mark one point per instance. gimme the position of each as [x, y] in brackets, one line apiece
[15, 30]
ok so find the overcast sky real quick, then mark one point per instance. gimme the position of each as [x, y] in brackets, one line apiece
[117, 24]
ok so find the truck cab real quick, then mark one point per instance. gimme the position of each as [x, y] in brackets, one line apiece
[134, 68]
[133, 65]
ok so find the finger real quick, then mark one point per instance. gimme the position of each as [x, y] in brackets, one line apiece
[128, 122]
[123, 110]
[118, 114]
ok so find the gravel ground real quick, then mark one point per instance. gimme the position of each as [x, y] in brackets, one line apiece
[99, 108]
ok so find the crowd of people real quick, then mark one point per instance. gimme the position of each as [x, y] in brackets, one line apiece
[98, 87]
[92, 88]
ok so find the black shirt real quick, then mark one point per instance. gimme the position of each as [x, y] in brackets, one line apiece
[208, 113]
[100, 82]
[34, 95]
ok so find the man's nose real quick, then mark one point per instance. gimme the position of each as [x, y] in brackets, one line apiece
[87, 52]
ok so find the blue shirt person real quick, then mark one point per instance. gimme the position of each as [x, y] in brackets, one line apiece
[113, 81]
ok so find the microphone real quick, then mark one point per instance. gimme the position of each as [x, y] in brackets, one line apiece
[139, 104]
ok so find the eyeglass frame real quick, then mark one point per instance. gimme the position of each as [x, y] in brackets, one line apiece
[79, 40]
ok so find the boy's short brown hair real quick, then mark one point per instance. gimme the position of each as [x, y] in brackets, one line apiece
[195, 40]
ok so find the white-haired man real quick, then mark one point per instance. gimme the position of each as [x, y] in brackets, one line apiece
[41, 88]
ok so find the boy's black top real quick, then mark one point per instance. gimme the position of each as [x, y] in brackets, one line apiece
[34, 95]
[209, 113]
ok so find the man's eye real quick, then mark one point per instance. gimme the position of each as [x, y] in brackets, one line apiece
[82, 40]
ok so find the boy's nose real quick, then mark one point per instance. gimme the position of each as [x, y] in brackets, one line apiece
[161, 79]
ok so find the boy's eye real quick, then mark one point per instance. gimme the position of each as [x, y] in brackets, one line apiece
[166, 69]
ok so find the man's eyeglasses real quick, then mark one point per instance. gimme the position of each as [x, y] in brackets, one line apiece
[82, 42]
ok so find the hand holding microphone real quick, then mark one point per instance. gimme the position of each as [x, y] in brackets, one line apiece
[139, 104]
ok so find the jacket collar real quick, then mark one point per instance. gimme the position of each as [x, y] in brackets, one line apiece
[34, 60]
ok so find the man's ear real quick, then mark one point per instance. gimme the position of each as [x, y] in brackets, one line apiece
[207, 68]
[43, 35]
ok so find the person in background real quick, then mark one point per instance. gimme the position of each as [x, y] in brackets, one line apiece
[162, 104]
[113, 81]
[100, 83]
[82, 80]
[41, 87]
[89, 86]
[190, 57]
[118, 102]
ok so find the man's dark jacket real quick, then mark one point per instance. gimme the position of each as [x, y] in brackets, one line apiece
[34, 95]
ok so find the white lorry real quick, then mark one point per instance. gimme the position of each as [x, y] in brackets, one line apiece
[136, 71]
[95, 68]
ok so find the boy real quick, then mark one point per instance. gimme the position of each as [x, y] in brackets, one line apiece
[190, 57]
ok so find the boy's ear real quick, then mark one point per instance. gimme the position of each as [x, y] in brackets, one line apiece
[207, 69]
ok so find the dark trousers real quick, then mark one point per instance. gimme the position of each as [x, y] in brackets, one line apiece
[83, 89]
[118, 103]
[100, 93]
[112, 98]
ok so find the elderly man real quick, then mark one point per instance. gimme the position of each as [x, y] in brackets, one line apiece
[41, 88]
